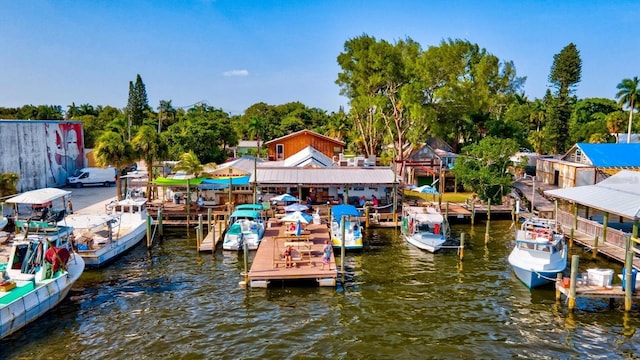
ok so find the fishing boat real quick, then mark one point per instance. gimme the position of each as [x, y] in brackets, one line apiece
[539, 253]
[345, 225]
[424, 227]
[101, 238]
[42, 266]
[245, 226]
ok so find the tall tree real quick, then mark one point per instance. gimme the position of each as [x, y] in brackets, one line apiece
[138, 102]
[113, 149]
[628, 95]
[152, 148]
[566, 70]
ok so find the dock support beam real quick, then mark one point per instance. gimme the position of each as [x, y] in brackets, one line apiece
[149, 233]
[160, 227]
[575, 261]
[628, 295]
[473, 212]
[486, 232]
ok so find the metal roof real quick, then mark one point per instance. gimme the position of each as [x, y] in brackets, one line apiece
[308, 157]
[612, 155]
[330, 176]
[618, 194]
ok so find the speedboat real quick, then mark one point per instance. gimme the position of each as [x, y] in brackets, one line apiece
[42, 266]
[345, 225]
[539, 253]
[245, 226]
[101, 238]
[424, 227]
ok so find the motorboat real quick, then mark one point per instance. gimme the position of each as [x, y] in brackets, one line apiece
[245, 226]
[424, 227]
[42, 265]
[101, 238]
[539, 253]
[345, 225]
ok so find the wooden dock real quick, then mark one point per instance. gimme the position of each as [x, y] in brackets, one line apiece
[611, 251]
[268, 264]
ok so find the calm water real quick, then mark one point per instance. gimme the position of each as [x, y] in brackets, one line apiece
[397, 302]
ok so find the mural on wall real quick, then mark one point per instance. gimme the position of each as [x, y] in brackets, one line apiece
[64, 150]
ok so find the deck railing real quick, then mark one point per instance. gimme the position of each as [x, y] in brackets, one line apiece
[592, 228]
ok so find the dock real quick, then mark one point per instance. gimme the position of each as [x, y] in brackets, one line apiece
[268, 264]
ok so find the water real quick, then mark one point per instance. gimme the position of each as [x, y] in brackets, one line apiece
[397, 302]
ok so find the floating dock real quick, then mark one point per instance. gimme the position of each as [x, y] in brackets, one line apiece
[269, 265]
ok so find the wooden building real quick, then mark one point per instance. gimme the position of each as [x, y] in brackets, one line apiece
[429, 163]
[588, 164]
[285, 146]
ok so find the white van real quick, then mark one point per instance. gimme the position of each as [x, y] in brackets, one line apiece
[93, 176]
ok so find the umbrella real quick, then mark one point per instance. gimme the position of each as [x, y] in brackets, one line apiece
[426, 189]
[296, 207]
[285, 198]
[297, 216]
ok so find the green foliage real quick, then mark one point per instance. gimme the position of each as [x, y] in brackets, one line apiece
[190, 164]
[589, 118]
[483, 167]
[8, 183]
[629, 89]
[566, 70]
[112, 149]
[138, 102]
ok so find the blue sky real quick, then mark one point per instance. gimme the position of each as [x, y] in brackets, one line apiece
[234, 53]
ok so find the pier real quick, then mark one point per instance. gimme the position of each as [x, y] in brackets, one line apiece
[268, 263]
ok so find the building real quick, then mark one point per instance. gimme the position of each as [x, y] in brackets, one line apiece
[588, 164]
[285, 146]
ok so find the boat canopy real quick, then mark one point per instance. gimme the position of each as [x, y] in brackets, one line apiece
[39, 196]
[341, 210]
[255, 207]
[241, 214]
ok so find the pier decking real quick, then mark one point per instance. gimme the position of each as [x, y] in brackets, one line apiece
[268, 264]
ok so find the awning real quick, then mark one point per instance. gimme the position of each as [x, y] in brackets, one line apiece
[177, 182]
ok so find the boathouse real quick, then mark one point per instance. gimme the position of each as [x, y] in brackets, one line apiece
[430, 163]
[602, 216]
[588, 164]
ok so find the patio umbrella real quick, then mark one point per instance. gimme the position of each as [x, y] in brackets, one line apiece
[297, 216]
[296, 207]
[285, 198]
[426, 189]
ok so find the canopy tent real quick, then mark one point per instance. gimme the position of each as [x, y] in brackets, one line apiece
[39, 196]
[162, 181]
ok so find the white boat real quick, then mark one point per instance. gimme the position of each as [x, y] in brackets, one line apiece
[100, 239]
[246, 226]
[349, 217]
[424, 227]
[539, 253]
[42, 266]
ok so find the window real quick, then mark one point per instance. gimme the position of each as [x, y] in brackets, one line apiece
[279, 151]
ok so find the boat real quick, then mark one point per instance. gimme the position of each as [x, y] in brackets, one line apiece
[424, 227]
[42, 266]
[539, 253]
[346, 216]
[101, 238]
[244, 226]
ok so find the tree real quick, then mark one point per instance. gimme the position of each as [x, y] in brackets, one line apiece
[8, 182]
[257, 130]
[482, 167]
[152, 148]
[137, 103]
[113, 149]
[566, 70]
[190, 164]
[628, 95]
[616, 122]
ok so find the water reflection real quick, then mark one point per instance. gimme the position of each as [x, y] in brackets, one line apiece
[397, 302]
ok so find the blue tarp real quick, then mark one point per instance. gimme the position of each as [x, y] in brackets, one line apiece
[235, 180]
[612, 155]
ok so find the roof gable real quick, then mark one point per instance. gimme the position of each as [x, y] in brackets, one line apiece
[608, 155]
[306, 132]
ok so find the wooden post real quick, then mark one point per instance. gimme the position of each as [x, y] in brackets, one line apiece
[575, 261]
[605, 224]
[488, 210]
[473, 212]
[213, 240]
[198, 238]
[571, 239]
[486, 232]
[342, 246]
[366, 217]
[575, 215]
[628, 266]
[220, 230]
[200, 230]
[187, 203]
[513, 211]
[446, 210]
[246, 261]
[160, 227]
[558, 281]
[595, 247]
[149, 234]
[461, 246]
[209, 220]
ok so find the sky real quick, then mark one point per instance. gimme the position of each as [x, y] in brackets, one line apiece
[231, 54]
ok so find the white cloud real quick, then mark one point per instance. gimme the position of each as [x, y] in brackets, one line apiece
[236, 73]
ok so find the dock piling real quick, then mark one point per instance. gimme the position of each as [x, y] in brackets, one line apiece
[461, 250]
[160, 227]
[575, 261]
[149, 233]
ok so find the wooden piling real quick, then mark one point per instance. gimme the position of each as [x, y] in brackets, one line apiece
[558, 281]
[628, 266]
[366, 217]
[575, 261]
[473, 212]
[571, 238]
[595, 247]
[446, 210]
[209, 219]
[149, 234]
[200, 232]
[160, 227]
[461, 246]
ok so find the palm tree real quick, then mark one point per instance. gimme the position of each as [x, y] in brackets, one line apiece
[152, 147]
[256, 129]
[628, 95]
[112, 149]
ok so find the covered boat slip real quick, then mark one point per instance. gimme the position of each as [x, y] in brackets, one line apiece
[269, 264]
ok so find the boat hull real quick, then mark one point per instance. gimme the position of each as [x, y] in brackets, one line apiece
[430, 243]
[534, 279]
[104, 255]
[24, 309]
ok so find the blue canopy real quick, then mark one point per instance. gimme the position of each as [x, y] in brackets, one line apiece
[426, 189]
[235, 181]
[341, 210]
[255, 207]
